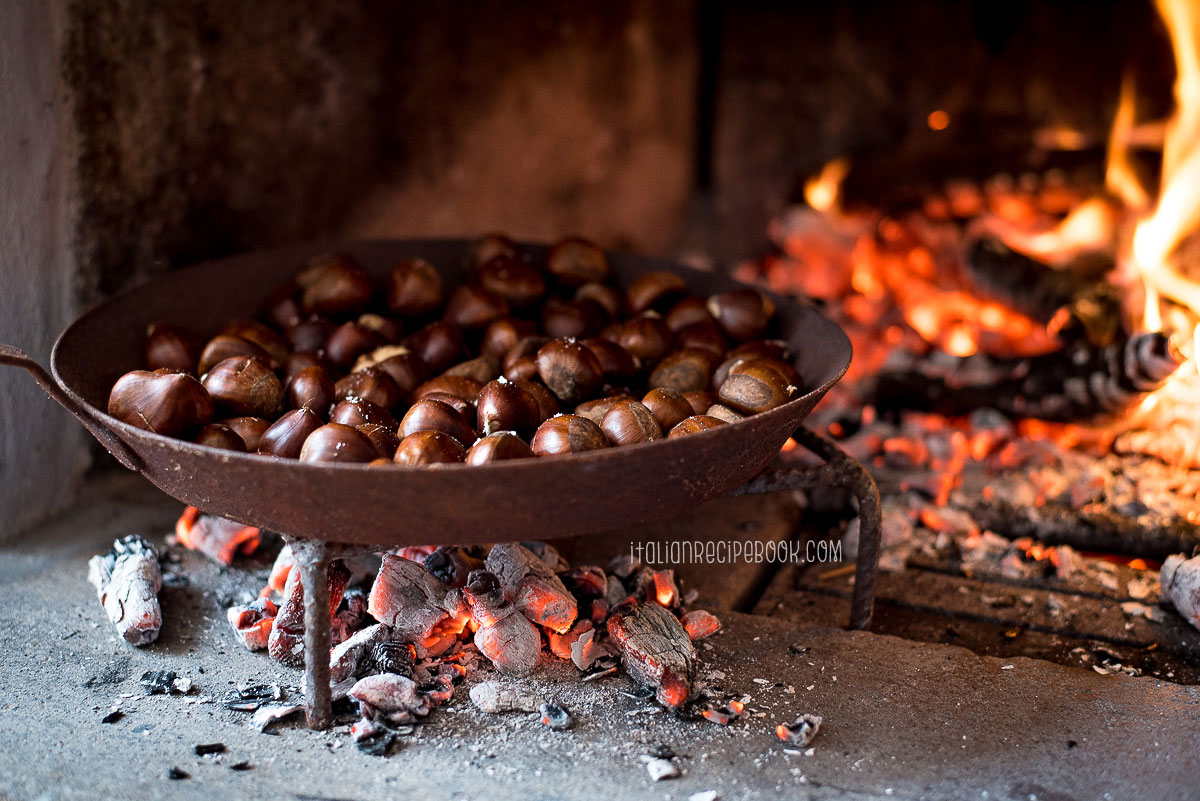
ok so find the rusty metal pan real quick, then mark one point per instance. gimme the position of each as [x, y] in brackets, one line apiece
[393, 506]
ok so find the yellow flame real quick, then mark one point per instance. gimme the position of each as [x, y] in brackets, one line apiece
[823, 191]
[1120, 176]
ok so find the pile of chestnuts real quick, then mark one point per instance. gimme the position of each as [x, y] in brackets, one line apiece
[525, 358]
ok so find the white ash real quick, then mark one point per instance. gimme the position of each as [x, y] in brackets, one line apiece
[127, 580]
[660, 769]
[1180, 579]
[495, 698]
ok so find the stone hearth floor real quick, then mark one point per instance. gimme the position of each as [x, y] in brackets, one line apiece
[902, 719]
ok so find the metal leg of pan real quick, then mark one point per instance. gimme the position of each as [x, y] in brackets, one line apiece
[839, 470]
[312, 559]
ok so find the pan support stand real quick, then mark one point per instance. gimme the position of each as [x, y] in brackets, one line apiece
[838, 470]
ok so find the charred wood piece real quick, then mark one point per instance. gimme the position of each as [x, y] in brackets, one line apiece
[286, 643]
[353, 656]
[561, 644]
[127, 580]
[350, 615]
[391, 698]
[1180, 579]
[253, 623]
[549, 555]
[505, 636]
[218, 538]
[588, 649]
[412, 601]
[801, 732]
[1077, 383]
[452, 564]
[700, 624]
[587, 581]
[531, 586]
[655, 650]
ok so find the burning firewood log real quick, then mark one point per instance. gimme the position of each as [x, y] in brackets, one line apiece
[656, 651]
[219, 539]
[505, 636]
[452, 564]
[1180, 579]
[1077, 383]
[253, 623]
[412, 601]
[531, 586]
[286, 643]
[127, 580]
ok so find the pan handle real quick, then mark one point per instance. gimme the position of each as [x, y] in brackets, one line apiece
[105, 435]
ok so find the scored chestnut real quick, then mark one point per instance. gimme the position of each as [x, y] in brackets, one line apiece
[472, 306]
[439, 345]
[226, 346]
[695, 425]
[369, 383]
[285, 437]
[567, 433]
[337, 443]
[686, 370]
[250, 429]
[575, 261]
[334, 283]
[164, 401]
[358, 411]
[435, 415]
[384, 439]
[569, 370]
[743, 312]
[245, 386]
[171, 346]
[429, 447]
[655, 290]
[628, 422]
[646, 338]
[668, 407]
[504, 406]
[262, 335]
[414, 288]
[219, 435]
[756, 387]
[349, 341]
[498, 447]
[311, 387]
[459, 386]
[517, 281]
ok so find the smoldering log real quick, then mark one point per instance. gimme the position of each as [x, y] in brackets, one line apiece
[1180, 580]
[1077, 383]
[505, 636]
[655, 650]
[218, 538]
[412, 601]
[127, 580]
[347, 656]
[286, 643]
[392, 698]
[531, 586]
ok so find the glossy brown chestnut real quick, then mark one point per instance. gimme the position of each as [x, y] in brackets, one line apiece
[595, 410]
[687, 311]
[219, 435]
[569, 370]
[520, 363]
[389, 329]
[704, 334]
[250, 429]
[311, 387]
[606, 296]
[357, 412]
[414, 288]
[655, 290]
[335, 284]
[700, 401]
[575, 261]
[502, 334]
[547, 404]
[164, 401]
[349, 341]
[669, 407]
[496, 448]
[404, 367]
[260, 334]
[435, 415]
[429, 447]
[504, 406]
[646, 338]
[694, 425]
[300, 359]
[771, 348]
[245, 386]
[224, 346]
[337, 443]
[491, 246]
[369, 383]
[615, 362]
[384, 439]
[173, 347]
[281, 308]
[723, 412]
[755, 388]
[285, 437]
[482, 369]
[311, 334]
[517, 281]
[472, 306]
[439, 344]
[628, 422]
[567, 433]
[738, 364]
[465, 408]
[686, 370]
[572, 318]
[743, 312]
[457, 385]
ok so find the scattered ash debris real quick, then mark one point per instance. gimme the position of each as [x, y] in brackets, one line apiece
[209, 749]
[176, 774]
[113, 716]
[800, 733]
[165, 682]
[555, 717]
[249, 697]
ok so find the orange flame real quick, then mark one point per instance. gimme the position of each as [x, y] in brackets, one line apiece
[824, 191]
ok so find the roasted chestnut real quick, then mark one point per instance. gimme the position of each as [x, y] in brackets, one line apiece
[628, 422]
[439, 344]
[595, 410]
[311, 387]
[569, 370]
[301, 359]
[312, 334]
[517, 281]
[572, 318]
[646, 338]
[520, 363]
[384, 439]
[771, 348]
[429, 447]
[567, 433]
[369, 383]
[655, 290]
[245, 386]
[743, 312]
[285, 437]
[700, 401]
[172, 347]
[224, 346]
[694, 425]
[349, 341]
[687, 311]
[414, 288]
[281, 308]
[357, 412]
[497, 447]
[687, 370]
[482, 369]
[463, 407]
[404, 367]
[668, 407]
[574, 261]
[491, 246]
[250, 429]
[262, 335]
[219, 435]
[547, 404]
[739, 364]
[472, 306]
[704, 334]
[502, 334]
[615, 361]
[504, 406]
[389, 330]
[335, 284]
[724, 413]
[435, 415]
[755, 387]
[606, 296]
[456, 385]
[337, 443]
[164, 401]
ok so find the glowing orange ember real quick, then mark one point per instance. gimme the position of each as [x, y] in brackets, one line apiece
[217, 538]
[664, 588]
